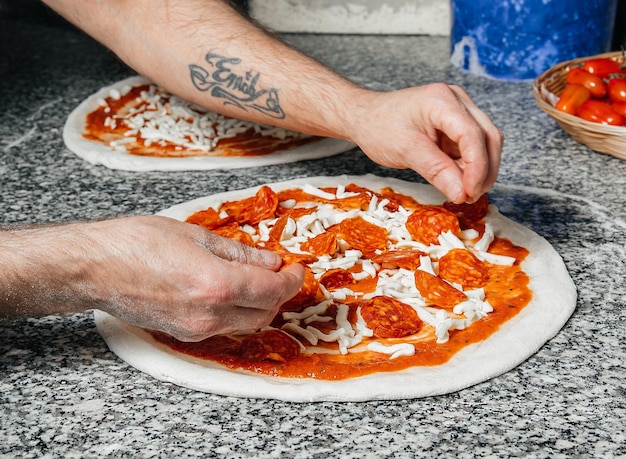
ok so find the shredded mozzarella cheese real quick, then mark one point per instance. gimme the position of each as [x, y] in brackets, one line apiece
[161, 118]
[395, 283]
[395, 350]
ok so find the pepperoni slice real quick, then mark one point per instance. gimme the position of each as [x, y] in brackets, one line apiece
[428, 222]
[359, 201]
[254, 209]
[238, 210]
[273, 345]
[467, 212]
[337, 278]
[397, 199]
[208, 218]
[265, 204]
[322, 244]
[363, 235]
[302, 258]
[218, 345]
[408, 258]
[506, 247]
[390, 318]
[462, 267]
[221, 345]
[295, 212]
[276, 232]
[297, 195]
[436, 291]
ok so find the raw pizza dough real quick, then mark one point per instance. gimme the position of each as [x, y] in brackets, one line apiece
[98, 153]
[554, 300]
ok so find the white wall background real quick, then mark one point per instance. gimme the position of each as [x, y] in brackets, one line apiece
[414, 17]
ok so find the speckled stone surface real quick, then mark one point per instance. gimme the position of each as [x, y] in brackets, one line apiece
[64, 394]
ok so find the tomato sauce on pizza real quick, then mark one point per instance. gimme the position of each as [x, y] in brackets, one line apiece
[147, 121]
[390, 283]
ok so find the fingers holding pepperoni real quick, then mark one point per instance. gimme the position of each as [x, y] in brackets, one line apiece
[308, 294]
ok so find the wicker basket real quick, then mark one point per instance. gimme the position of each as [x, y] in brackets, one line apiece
[599, 137]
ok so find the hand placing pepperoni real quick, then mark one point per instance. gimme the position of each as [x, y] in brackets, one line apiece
[162, 274]
[437, 131]
[307, 295]
[390, 318]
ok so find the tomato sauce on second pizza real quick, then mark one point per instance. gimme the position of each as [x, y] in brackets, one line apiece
[275, 354]
[248, 143]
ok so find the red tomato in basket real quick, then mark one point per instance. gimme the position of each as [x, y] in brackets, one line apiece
[598, 111]
[572, 97]
[617, 89]
[619, 107]
[595, 84]
[602, 66]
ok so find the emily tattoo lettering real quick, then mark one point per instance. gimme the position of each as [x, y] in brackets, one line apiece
[239, 89]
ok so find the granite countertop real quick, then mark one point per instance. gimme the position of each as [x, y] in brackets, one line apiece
[64, 394]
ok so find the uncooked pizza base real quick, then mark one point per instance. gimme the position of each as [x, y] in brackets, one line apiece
[100, 154]
[554, 300]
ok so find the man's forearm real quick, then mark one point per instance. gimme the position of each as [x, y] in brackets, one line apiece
[40, 272]
[207, 53]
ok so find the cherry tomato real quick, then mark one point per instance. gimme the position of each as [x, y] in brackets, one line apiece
[617, 89]
[598, 111]
[602, 66]
[572, 97]
[619, 107]
[595, 84]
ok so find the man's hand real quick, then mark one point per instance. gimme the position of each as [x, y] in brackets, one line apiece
[153, 272]
[435, 130]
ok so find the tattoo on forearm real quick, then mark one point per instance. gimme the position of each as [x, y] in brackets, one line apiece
[223, 81]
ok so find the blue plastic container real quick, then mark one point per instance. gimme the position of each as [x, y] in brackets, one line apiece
[520, 39]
